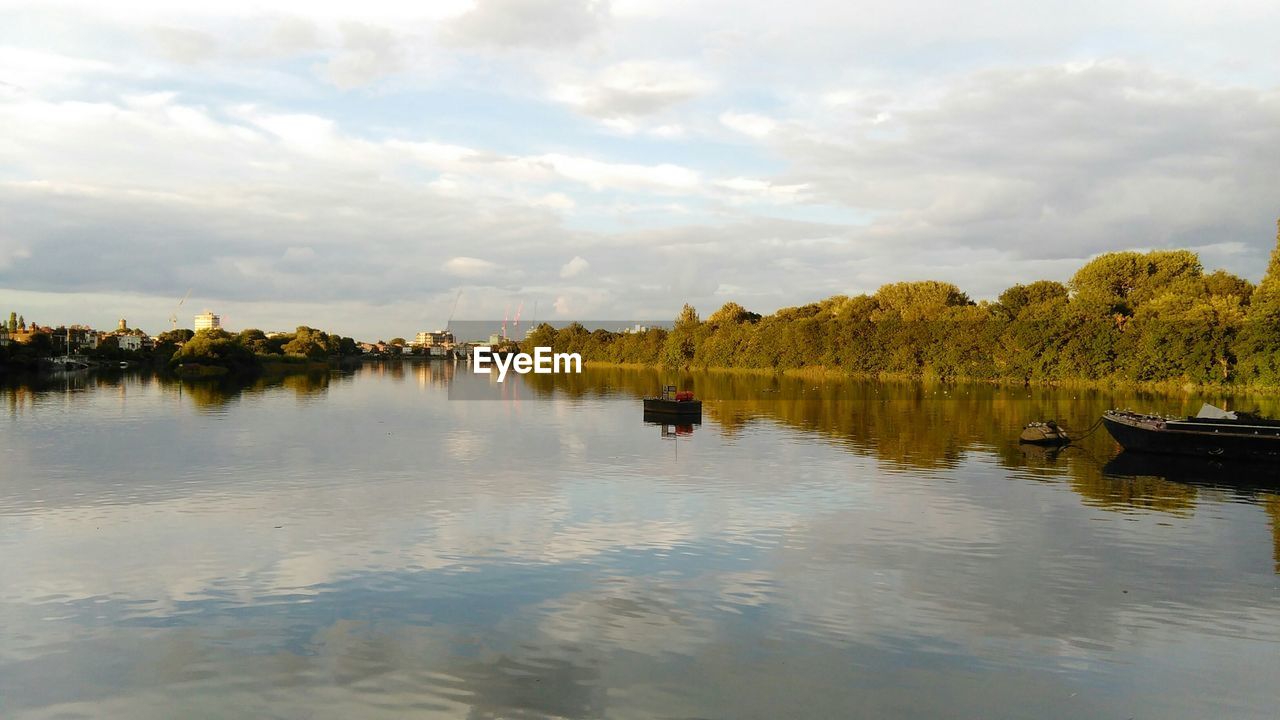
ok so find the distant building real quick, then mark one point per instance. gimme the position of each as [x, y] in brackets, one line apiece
[439, 338]
[4, 335]
[495, 339]
[637, 328]
[79, 336]
[124, 325]
[129, 342]
[69, 339]
[207, 321]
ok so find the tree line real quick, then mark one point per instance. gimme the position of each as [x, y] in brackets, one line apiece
[247, 351]
[215, 350]
[1154, 317]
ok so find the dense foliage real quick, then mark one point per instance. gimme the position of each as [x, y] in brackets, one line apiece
[246, 351]
[1125, 316]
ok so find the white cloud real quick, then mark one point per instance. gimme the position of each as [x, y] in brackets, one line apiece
[368, 53]
[974, 167]
[555, 201]
[633, 89]
[754, 189]
[293, 33]
[469, 267]
[574, 267]
[600, 175]
[29, 71]
[748, 123]
[538, 23]
[183, 45]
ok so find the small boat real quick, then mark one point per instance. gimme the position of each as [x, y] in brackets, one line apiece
[1213, 433]
[1044, 433]
[680, 405]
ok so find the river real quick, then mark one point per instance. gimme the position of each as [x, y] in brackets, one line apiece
[404, 541]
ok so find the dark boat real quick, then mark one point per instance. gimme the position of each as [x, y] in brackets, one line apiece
[1044, 433]
[1213, 433]
[674, 405]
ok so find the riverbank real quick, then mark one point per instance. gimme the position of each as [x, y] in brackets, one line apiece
[823, 373]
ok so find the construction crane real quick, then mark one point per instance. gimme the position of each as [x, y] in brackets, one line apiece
[456, 298]
[173, 319]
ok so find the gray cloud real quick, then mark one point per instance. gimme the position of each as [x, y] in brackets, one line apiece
[773, 185]
[368, 53]
[535, 23]
[1056, 162]
[182, 45]
[294, 34]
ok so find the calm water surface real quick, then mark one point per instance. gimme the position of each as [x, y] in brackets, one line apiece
[361, 546]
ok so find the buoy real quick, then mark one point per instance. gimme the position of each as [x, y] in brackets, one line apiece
[1044, 433]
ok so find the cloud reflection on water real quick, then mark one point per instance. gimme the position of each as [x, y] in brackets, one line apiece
[386, 552]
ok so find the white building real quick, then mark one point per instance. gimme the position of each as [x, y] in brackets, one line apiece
[207, 321]
[129, 342]
[439, 338]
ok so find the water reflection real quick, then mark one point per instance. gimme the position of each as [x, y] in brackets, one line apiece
[671, 427]
[360, 545]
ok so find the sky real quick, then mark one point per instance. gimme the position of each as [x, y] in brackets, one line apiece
[360, 167]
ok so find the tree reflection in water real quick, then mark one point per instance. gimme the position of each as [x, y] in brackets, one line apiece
[914, 426]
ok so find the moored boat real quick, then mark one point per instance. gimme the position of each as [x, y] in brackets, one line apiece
[1044, 433]
[680, 405]
[1212, 433]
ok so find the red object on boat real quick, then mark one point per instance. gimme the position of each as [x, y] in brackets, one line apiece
[684, 396]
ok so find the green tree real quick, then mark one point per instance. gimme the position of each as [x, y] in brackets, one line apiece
[216, 348]
[255, 340]
[307, 342]
[41, 344]
[1260, 340]
[682, 342]
[1014, 300]
[1122, 281]
[1153, 316]
[1221, 283]
[731, 312]
[174, 337]
[542, 336]
[919, 300]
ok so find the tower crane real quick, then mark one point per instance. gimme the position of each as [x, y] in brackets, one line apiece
[173, 319]
[456, 298]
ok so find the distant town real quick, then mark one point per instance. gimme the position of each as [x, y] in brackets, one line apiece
[26, 344]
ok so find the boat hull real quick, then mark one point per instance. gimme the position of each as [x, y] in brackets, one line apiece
[1228, 442]
[679, 409]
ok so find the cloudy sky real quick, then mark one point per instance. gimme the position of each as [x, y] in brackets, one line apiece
[353, 166]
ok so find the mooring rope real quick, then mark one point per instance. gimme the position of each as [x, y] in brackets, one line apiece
[1092, 429]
